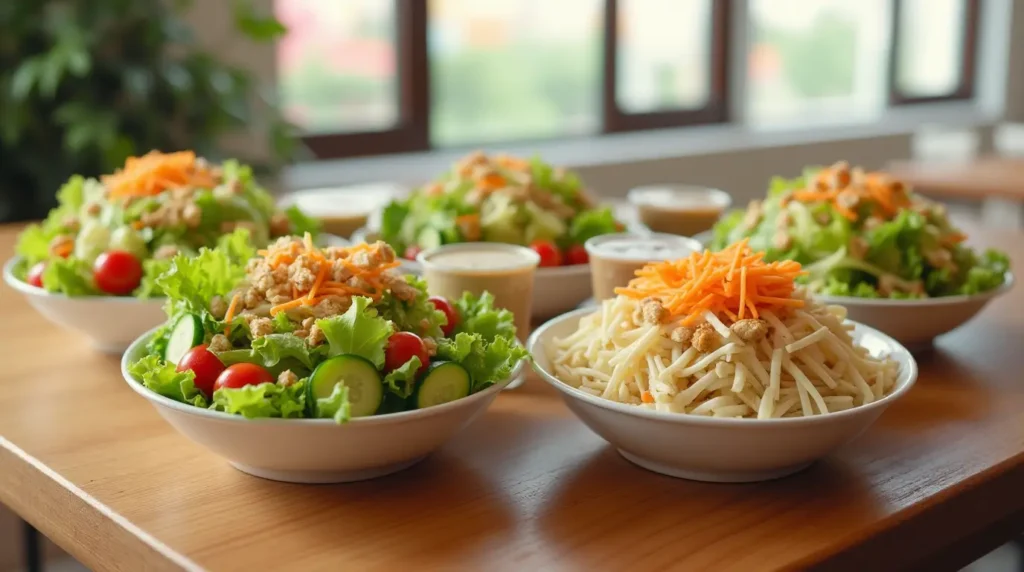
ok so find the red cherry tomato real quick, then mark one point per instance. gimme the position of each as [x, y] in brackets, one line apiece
[411, 252]
[445, 306]
[549, 254]
[401, 347]
[576, 254]
[117, 272]
[205, 365]
[241, 375]
[35, 274]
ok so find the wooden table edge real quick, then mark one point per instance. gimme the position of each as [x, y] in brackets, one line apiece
[920, 538]
[53, 498]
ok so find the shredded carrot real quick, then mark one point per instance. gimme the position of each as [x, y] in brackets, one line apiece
[704, 282]
[491, 182]
[156, 172]
[646, 397]
[845, 188]
[230, 314]
[323, 287]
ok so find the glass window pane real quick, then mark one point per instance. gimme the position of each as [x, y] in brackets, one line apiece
[664, 51]
[504, 70]
[931, 47]
[337, 64]
[817, 61]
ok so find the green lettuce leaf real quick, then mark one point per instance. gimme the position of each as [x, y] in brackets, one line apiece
[192, 281]
[301, 223]
[402, 381]
[160, 377]
[392, 221]
[282, 325]
[477, 315]
[335, 406]
[70, 276]
[359, 331]
[263, 400]
[152, 268]
[589, 224]
[418, 315]
[486, 362]
[272, 349]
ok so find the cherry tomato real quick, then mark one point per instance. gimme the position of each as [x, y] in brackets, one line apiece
[445, 306]
[117, 272]
[35, 274]
[576, 254]
[549, 254]
[205, 365]
[401, 347]
[241, 375]
[411, 252]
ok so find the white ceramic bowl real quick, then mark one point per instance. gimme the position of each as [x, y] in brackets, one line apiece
[555, 290]
[317, 450]
[110, 323]
[713, 449]
[916, 323]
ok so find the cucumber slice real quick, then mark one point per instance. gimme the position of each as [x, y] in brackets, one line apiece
[444, 381]
[186, 334]
[365, 389]
[429, 238]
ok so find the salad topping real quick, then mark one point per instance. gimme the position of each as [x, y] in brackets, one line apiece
[299, 331]
[499, 199]
[156, 207]
[862, 234]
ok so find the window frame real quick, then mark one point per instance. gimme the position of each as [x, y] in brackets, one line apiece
[412, 129]
[616, 120]
[964, 90]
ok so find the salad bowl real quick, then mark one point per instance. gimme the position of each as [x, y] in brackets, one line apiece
[555, 290]
[317, 450]
[110, 323]
[916, 323]
[720, 449]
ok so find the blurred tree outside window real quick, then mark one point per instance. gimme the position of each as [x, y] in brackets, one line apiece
[85, 84]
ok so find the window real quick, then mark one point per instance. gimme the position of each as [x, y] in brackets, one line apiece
[503, 71]
[817, 61]
[338, 66]
[934, 49]
[366, 77]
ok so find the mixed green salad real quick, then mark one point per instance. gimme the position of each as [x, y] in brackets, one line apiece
[116, 235]
[499, 199]
[300, 332]
[863, 234]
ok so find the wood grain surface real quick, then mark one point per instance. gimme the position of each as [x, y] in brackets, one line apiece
[936, 483]
[986, 177]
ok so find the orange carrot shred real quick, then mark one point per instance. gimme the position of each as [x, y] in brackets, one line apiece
[230, 314]
[646, 397]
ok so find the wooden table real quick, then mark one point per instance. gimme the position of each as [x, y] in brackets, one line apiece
[936, 483]
[997, 182]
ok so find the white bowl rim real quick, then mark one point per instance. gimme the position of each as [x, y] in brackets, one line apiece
[910, 377]
[1008, 280]
[169, 403]
[28, 289]
[719, 196]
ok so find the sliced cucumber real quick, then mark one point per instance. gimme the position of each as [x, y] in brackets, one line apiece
[444, 381]
[186, 334]
[429, 238]
[365, 389]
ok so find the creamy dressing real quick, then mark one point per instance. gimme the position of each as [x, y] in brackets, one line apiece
[504, 270]
[615, 258]
[681, 210]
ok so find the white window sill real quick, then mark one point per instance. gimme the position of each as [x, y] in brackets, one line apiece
[414, 168]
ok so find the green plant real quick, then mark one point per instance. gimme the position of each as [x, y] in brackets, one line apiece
[86, 83]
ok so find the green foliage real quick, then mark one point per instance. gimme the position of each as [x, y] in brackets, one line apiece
[819, 60]
[85, 84]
